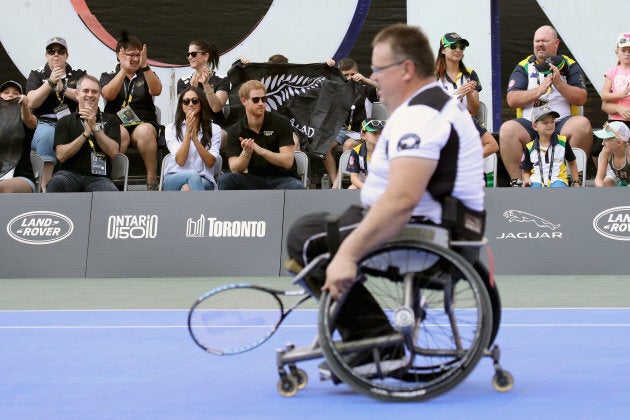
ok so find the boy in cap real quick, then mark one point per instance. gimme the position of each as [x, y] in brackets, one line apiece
[613, 168]
[16, 132]
[360, 155]
[51, 91]
[543, 163]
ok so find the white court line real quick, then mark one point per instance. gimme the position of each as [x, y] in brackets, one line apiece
[122, 327]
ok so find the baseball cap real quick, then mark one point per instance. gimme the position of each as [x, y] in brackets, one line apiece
[451, 38]
[614, 129]
[542, 112]
[11, 83]
[57, 40]
[623, 40]
[372, 125]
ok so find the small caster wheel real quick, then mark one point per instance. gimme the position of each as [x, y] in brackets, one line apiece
[288, 386]
[503, 381]
[302, 378]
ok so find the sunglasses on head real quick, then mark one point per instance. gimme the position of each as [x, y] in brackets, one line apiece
[462, 47]
[624, 40]
[193, 54]
[256, 99]
[52, 51]
[187, 101]
[374, 124]
[611, 130]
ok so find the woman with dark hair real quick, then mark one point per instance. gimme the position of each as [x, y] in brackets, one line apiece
[453, 75]
[194, 142]
[203, 57]
[462, 82]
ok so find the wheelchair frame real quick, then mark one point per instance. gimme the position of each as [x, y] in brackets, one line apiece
[422, 238]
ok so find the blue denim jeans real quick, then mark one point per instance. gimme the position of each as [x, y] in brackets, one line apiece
[43, 142]
[68, 181]
[175, 180]
[237, 181]
[554, 184]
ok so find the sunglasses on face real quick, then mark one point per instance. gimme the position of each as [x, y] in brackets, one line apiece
[462, 47]
[193, 54]
[256, 99]
[187, 101]
[374, 124]
[52, 51]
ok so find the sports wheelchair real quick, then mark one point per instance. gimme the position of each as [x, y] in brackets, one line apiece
[438, 314]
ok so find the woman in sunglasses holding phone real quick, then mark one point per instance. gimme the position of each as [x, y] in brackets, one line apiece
[194, 142]
[203, 57]
[462, 82]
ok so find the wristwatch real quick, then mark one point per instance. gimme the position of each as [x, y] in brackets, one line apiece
[147, 68]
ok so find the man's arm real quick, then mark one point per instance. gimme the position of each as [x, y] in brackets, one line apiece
[284, 158]
[386, 218]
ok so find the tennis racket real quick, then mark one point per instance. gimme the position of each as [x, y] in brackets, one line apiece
[236, 318]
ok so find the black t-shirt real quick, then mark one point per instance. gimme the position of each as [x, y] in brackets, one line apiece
[275, 133]
[141, 100]
[70, 127]
[361, 93]
[40, 76]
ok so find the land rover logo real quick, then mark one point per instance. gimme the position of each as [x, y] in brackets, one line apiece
[40, 227]
[614, 223]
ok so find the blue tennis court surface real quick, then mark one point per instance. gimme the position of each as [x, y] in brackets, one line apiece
[567, 364]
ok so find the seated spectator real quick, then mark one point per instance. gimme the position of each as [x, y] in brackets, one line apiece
[51, 94]
[85, 143]
[129, 92]
[17, 125]
[260, 147]
[349, 136]
[360, 155]
[544, 79]
[543, 159]
[614, 168]
[194, 143]
[203, 57]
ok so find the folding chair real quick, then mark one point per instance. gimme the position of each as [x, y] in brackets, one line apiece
[581, 159]
[301, 160]
[38, 166]
[120, 169]
[379, 111]
[343, 164]
[482, 114]
[165, 161]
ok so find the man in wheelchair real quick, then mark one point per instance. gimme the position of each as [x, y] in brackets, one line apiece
[427, 168]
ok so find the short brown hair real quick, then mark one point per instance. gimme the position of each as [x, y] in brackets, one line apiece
[408, 43]
[248, 86]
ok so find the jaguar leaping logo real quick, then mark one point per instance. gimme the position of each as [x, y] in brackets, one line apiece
[524, 217]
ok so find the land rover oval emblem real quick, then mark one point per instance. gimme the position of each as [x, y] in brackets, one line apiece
[40, 227]
[614, 223]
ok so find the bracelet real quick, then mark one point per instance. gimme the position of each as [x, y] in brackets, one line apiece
[246, 155]
[87, 136]
[147, 68]
[52, 84]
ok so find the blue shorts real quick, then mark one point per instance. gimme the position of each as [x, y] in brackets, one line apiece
[344, 134]
[43, 142]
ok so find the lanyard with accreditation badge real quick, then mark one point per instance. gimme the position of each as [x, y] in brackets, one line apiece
[126, 114]
[97, 159]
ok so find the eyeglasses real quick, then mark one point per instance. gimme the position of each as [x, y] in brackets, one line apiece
[608, 128]
[193, 54]
[136, 55]
[53, 51]
[462, 47]
[377, 125]
[380, 69]
[187, 101]
[256, 99]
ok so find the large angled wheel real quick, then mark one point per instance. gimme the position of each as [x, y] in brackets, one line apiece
[434, 325]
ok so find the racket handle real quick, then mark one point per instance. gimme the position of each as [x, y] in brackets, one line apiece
[332, 234]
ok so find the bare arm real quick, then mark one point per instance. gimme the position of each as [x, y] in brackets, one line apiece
[489, 144]
[386, 218]
[25, 113]
[602, 166]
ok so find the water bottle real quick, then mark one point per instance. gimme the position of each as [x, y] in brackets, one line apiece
[326, 182]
